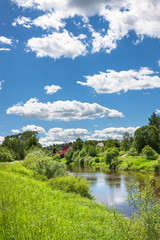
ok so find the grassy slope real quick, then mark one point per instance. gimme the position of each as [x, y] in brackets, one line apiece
[30, 209]
[137, 163]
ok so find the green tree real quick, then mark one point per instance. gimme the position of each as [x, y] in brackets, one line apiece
[146, 135]
[77, 145]
[154, 121]
[126, 142]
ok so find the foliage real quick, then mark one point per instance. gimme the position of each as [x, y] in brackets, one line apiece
[77, 145]
[5, 155]
[143, 200]
[44, 165]
[19, 144]
[114, 163]
[110, 154]
[68, 155]
[49, 168]
[138, 163]
[154, 121]
[71, 184]
[56, 157]
[132, 151]
[126, 141]
[146, 135]
[149, 153]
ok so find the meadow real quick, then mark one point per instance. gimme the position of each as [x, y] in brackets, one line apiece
[32, 209]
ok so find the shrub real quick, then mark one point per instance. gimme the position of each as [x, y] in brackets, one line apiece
[132, 151]
[88, 160]
[5, 155]
[71, 184]
[110, 154]
[50, 168]
[43, 165]
[56, 157]
[149, 153]
[114, 163]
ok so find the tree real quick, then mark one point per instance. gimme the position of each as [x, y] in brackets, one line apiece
[146, 135]
[154, 121]
[77, 145]
[126, 142]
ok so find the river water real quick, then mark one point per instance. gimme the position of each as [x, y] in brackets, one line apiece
[110, 187]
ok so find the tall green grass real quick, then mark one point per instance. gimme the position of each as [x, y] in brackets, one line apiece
[32, 210]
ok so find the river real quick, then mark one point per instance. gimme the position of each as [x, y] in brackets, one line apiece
[110, 187]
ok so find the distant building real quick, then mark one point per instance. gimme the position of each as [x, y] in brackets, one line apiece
[64, 150]
[100, 144]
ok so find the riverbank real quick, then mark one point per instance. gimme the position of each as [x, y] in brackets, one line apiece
[31, 210]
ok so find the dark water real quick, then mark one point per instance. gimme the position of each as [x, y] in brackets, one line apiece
[110, 187]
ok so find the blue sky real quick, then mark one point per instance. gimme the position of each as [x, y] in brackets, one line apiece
[72, 68]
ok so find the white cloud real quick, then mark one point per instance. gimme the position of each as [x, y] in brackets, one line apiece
[1, 139]
[62, 110]
[1, 84]
[140, 16]
[15, 131]
[122, 16]
[33, 128]
[112, 133]
[4, 40]
[52, 89]
[157, 111]
[5, 49]
[57, 45]
[114, 82]
[60, 135]
[24, 21]
[159, 63]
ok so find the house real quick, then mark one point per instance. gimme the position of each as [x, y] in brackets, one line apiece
[64, 150]
[100, 144]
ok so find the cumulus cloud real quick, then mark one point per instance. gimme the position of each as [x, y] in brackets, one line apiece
[60, 135]
[112, 133]
[4, 40]
[15, 131]
[140, 16]
[1, 84]
[120, 17]
[1, 139]
[57, 45]
[113, 82]
[52, 89]
[62, 110]
[24, 21]
[33, 128]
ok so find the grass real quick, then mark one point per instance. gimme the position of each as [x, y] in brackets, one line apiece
[32, 210]
[137, 163]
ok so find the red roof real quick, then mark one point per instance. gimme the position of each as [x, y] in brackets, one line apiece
[65, 150]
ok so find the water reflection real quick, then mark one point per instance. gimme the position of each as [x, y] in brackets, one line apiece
[110, 187]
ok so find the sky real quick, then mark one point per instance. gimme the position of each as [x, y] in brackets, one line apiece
[78, 68]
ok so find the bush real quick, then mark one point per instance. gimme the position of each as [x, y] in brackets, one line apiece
[88, 160]
[132, 151]
[114, 163]
[50, 168]
[5, 155]
[149, 153]
[110, 154]
[56, 157]
[43, 165]
[71, 184]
